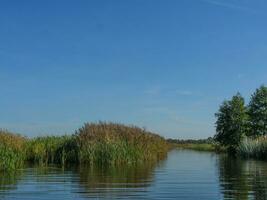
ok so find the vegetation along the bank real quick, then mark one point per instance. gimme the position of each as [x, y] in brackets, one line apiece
[94, 143]
[12, 150]
[199, 145]
[242, 128]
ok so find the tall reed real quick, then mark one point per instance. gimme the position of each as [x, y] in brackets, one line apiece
[253, 148]
[94, 143]
[52, 150]
[12, 150]
[110, 143]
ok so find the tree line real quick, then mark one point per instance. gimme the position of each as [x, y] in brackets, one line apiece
[235, 120]
[209, 140]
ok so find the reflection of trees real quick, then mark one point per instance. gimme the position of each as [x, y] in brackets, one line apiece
[260, 180]
[242, 179]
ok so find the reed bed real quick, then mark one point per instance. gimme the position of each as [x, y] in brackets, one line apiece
[12, 150]
[253, 148]
[110, 143]
[52, 150]
[94, 143]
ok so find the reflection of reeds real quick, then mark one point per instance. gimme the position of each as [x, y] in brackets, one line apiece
[88, 181]
[113, 182]
[253, 148]
[94, 143]
[9, 181]
[126, 176]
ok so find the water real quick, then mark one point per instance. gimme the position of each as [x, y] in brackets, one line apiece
[183, 175]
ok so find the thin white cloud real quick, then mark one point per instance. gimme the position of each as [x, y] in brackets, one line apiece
[240, 76]
[231, 5]
[166, 91]
[184, 92]
[152, 91]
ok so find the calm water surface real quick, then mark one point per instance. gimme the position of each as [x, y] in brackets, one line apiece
[183, 175]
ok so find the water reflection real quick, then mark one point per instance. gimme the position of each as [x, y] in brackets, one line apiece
[184, 175]
[9, 181]
[242, 179]
[114, 182]
[77, 182]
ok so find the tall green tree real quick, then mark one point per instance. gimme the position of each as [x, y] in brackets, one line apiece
[231, 124]
[258, 112]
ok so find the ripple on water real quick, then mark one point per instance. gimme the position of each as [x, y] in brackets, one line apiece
[183, 175]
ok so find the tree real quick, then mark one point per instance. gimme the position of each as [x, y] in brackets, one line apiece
[258, 112]
[231, 124]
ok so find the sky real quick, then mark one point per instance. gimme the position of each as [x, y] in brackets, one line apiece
[165, 65]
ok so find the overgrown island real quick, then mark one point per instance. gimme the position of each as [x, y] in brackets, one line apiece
[240, 130]
[93, 144]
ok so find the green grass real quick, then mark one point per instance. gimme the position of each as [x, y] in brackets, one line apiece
[94, 143]
[196, 144]
[198, 147]
[253, 148]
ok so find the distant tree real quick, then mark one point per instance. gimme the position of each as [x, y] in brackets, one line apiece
[258, 112]
[231, 124]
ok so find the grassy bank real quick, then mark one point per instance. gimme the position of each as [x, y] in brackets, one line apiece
[94, 143]
[198, 147]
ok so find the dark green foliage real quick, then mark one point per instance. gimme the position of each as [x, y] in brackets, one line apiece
[52, 150]
[231, 124]
[234, 121]
[258, 112]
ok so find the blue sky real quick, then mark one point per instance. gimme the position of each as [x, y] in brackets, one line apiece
[161, 64]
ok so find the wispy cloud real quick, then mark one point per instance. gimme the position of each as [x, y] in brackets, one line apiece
[241, 76]
[184, 92]
[231, 5]
[167, 91]
[153, 91]
[173, 116]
